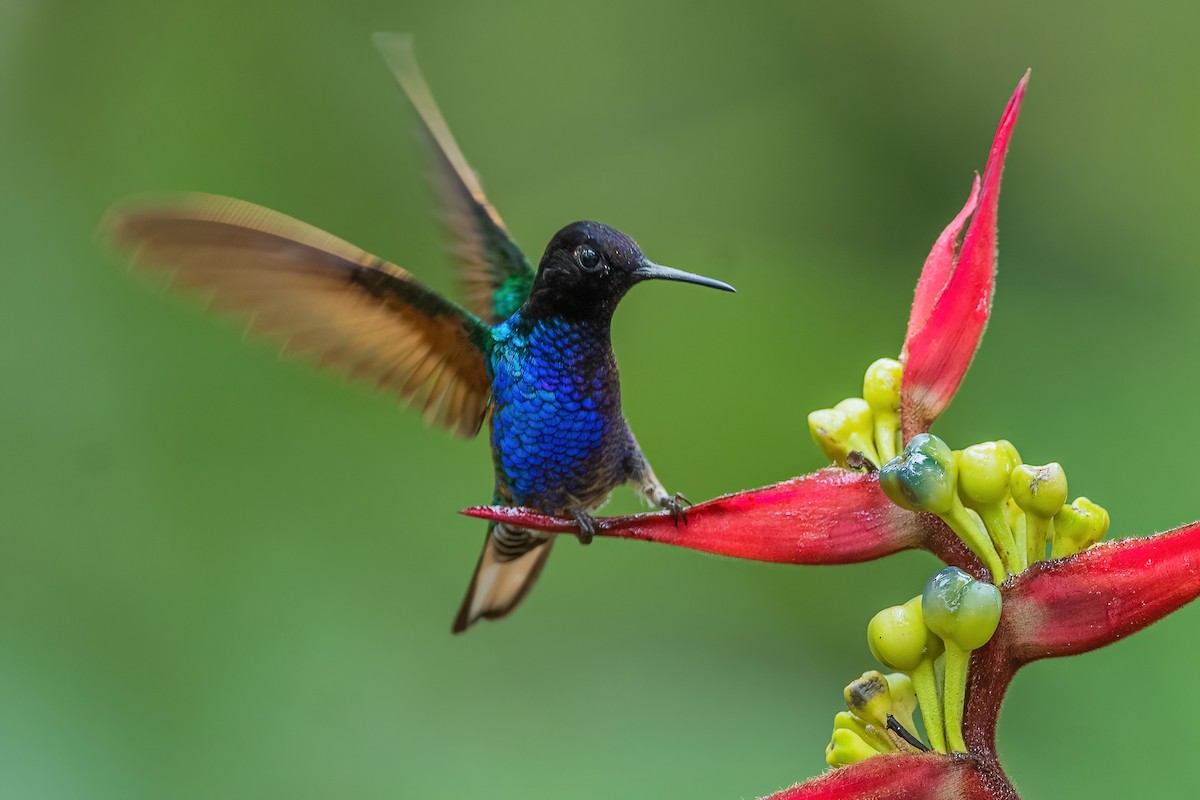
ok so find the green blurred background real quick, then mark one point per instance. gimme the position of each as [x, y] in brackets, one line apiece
[225, 575]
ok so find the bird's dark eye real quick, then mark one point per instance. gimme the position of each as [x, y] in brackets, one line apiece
[588, 258]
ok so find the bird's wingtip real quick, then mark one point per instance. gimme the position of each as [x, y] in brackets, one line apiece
[393, 45]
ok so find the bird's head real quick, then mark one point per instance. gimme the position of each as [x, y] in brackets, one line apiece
[588, 267]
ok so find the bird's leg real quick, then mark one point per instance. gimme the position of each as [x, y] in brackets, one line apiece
[677, 504]
[650, 487]
[587, 525]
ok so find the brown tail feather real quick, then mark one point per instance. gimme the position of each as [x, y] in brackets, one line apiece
[499, 585]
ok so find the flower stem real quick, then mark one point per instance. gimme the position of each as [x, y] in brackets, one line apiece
[978, 541]
[885, 438]
[1021, 537]
[925, 685]
[957, 660]
[1001, 536]
[1038, 530]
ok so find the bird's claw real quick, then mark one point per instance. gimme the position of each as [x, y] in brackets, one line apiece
[676, 505]
[587, 526]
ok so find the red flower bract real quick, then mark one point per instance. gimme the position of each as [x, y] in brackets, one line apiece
[942, 341]
[833, 516]
[938, 267]
[1077, 604]
[902, 777]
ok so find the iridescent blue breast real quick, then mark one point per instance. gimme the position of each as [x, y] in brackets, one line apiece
[559, 439]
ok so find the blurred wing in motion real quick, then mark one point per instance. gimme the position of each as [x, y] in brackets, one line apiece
[321, 295]
[495, 273]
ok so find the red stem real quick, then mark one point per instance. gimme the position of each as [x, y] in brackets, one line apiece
[939, 539]
[992, 670]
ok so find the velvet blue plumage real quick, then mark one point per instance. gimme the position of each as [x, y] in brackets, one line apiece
[559, 440]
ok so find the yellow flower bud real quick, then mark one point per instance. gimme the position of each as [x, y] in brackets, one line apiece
[898, 637]
[1014, 458]
[1078, 527]
[830, 429]
[879, 739]
[862, 427]
[965, 613]
[904, 699]
[1040, 492]
[837, 433]
[870, 699]
[983, 475]
[881, 390]
[983, 471]
[847, 747]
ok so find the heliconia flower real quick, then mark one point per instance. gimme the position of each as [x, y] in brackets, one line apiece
[1027, 578]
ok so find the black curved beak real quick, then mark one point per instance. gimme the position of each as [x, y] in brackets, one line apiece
[648, 271]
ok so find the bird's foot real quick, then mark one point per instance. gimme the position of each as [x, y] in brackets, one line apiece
[676, 505]
[587, 526]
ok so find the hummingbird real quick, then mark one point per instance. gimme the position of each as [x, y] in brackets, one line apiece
[531, 352]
